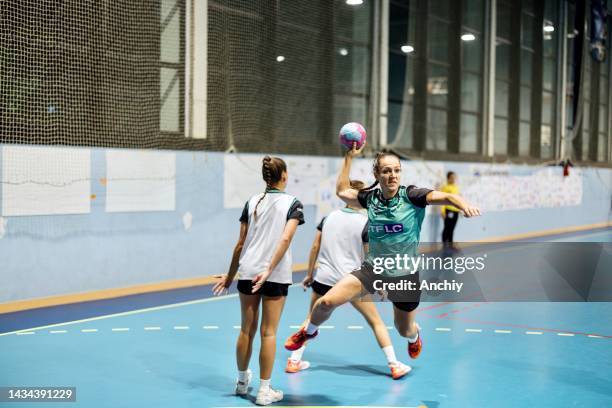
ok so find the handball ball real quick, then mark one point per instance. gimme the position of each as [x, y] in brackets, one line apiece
[352, 132]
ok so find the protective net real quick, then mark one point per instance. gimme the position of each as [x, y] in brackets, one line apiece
[282, 75]
[81, 72]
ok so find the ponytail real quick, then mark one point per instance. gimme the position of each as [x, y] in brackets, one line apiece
[267, 176]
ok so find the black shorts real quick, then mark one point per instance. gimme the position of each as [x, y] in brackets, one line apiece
[406, 300]
[320, 288]
[271, 289]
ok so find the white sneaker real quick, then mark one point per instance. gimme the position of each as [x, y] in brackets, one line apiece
[243, 387]
[293, 366]
[399, 369]
[268, 396]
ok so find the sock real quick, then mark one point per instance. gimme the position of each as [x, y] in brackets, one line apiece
[297, 354]
[414, 338]
[243, 376]
[390, 354]
[264, 384]
[311, 328]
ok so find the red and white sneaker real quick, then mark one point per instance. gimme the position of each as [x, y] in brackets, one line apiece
[297, 339]
[293, 366]
[398, 370]
[414, 349]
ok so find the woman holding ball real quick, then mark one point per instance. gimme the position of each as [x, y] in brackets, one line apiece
[395, 215]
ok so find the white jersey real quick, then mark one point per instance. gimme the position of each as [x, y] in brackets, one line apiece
[264, 235]
[344, 232]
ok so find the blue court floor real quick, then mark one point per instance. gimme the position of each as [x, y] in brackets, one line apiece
[182, 355]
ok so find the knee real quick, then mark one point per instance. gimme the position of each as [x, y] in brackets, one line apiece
[268, 333]
[404, 329]
[326, 304]
[249, 333]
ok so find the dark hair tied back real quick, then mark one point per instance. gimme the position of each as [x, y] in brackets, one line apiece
[272, 170]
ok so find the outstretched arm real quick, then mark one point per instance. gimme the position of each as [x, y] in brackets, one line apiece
[440, 198]
[343, 185]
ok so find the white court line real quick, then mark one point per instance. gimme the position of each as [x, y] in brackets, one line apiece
[326, 327]
[58, 331]
[131, 312]
[294, 327]
[152, 328]
[120, 329]
[24, 333]
[354, 327]
[473, 330]
[593, 336]
[89, 330]
[532, 332]
[389, 327]
[181, 327]
[566, 334]
[503, 331]
[237, 327]
[210, 327]
[446, 329]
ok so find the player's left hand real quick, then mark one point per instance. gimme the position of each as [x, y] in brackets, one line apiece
[471, 211]
[307, 282]
[259, 280]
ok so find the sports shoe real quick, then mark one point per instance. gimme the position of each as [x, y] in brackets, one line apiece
[414, 349]
[297, 339]
[398, 370]
[243, 387]
[293, 366]
[268, 396]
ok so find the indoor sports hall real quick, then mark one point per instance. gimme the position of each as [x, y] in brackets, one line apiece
[174, 176]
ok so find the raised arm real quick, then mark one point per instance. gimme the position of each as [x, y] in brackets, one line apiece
[440, 198]
[343, 184]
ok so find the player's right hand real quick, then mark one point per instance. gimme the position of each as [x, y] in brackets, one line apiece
[355, 151]
[307, 282]
[222, 286]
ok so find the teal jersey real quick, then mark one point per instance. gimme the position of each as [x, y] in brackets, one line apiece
[394, 227]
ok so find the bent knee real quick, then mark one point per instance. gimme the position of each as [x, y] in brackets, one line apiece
[327, 303]
[404, 329]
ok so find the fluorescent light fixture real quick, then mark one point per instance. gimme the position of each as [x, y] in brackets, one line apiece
[407, 49]
[343, 51]
[354, 2]
[549, 28]
[468, 37]
[280, 58]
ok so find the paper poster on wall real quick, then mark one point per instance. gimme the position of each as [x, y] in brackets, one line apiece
[421, 174]
[243, 178]
[45, 180]
[496, 190]
[140, 181]
[305, 173]
[327, 200]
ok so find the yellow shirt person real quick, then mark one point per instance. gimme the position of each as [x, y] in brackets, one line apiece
[449, 212]
[453, 189]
